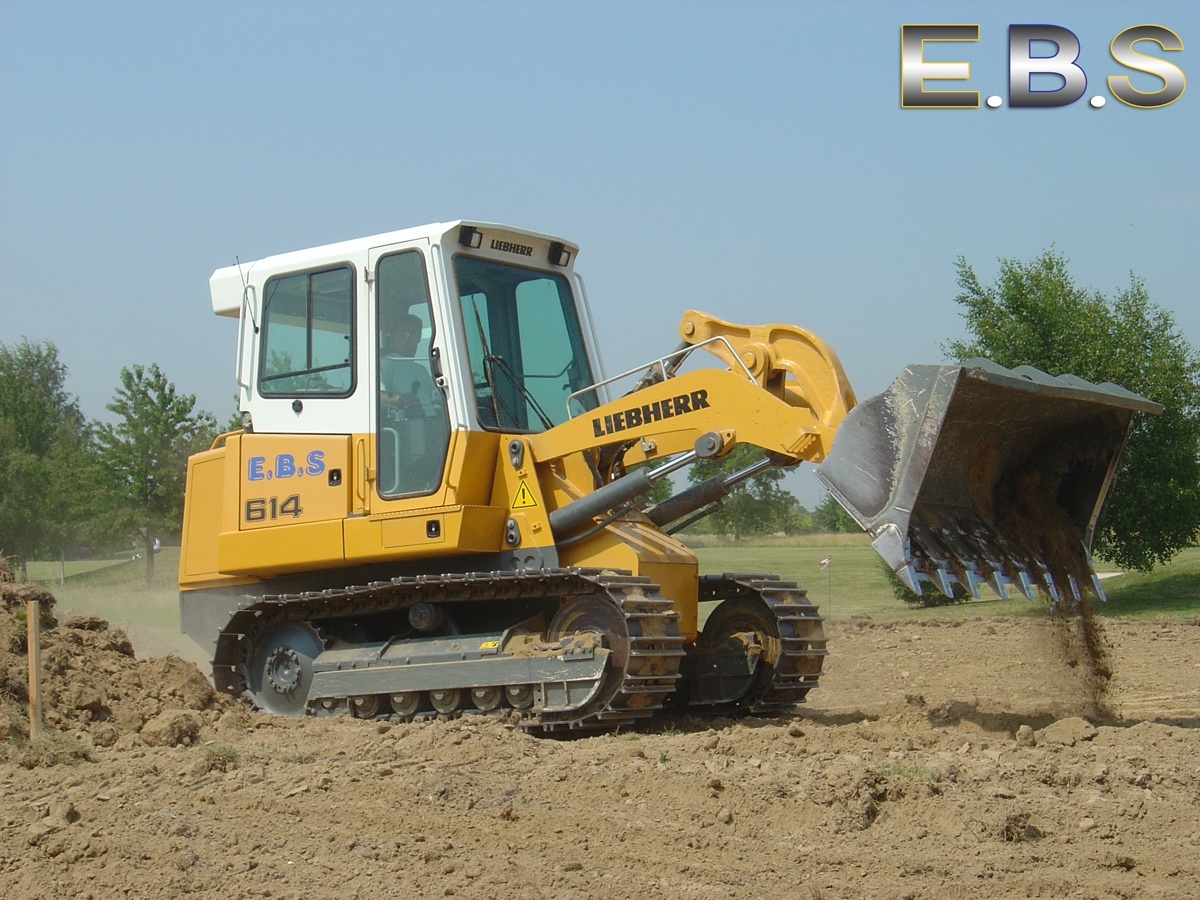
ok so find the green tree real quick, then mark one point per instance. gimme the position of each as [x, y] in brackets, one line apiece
[43, 447]
[797, 519]
[758, 505]
[236, 420]
[33, 396]
[144, 455]
[662, 489]
[23, 492]
[831, 518]
[1036, 315]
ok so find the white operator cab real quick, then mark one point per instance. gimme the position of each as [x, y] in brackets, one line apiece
[410, 335]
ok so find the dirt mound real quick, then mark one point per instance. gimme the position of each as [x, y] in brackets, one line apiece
[93, 686]
[936, 759]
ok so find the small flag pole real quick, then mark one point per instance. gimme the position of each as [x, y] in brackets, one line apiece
[825, 564]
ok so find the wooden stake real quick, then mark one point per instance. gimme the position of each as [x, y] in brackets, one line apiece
[33, 622]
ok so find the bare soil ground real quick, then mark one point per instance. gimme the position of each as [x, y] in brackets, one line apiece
[988, 758]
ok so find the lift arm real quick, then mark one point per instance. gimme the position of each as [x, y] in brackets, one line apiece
[784, 390]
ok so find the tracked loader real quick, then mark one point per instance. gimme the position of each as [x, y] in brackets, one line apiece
[437, 500]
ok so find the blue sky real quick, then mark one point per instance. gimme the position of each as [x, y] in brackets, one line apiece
[751, 160]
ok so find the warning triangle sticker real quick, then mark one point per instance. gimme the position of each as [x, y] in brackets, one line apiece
[524, 498]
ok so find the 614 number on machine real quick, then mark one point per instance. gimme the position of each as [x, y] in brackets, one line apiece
[261, 509]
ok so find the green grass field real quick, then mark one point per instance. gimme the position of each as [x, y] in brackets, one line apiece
[58, 572]
[852, 584]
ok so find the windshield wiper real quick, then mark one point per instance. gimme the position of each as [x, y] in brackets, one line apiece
[519, 385]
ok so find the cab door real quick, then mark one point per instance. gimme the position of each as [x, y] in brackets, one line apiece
[410, 416]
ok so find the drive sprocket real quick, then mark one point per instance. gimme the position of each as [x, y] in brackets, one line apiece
[280, 670]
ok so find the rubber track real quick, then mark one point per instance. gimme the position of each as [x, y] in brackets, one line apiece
[655, 647]
[802, 636]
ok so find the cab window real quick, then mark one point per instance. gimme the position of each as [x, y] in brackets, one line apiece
[307, 334]
[524, 343]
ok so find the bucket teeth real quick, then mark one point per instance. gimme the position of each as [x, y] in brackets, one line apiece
[1008, 571]
[1096, 585]
[1048, 581]
[970, 580]
[972, 556]
[908, 574]
[1025, 584]
[996, 579]
[942, 579]
[965, 552]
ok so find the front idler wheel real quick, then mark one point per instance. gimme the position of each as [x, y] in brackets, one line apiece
[735, 655]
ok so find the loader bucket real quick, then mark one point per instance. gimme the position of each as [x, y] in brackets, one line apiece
[975, 474]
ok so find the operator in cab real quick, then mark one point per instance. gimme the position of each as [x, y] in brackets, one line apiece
[406, 387]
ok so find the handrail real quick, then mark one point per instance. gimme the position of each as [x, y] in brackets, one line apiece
[661, 363]
[225, 435]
